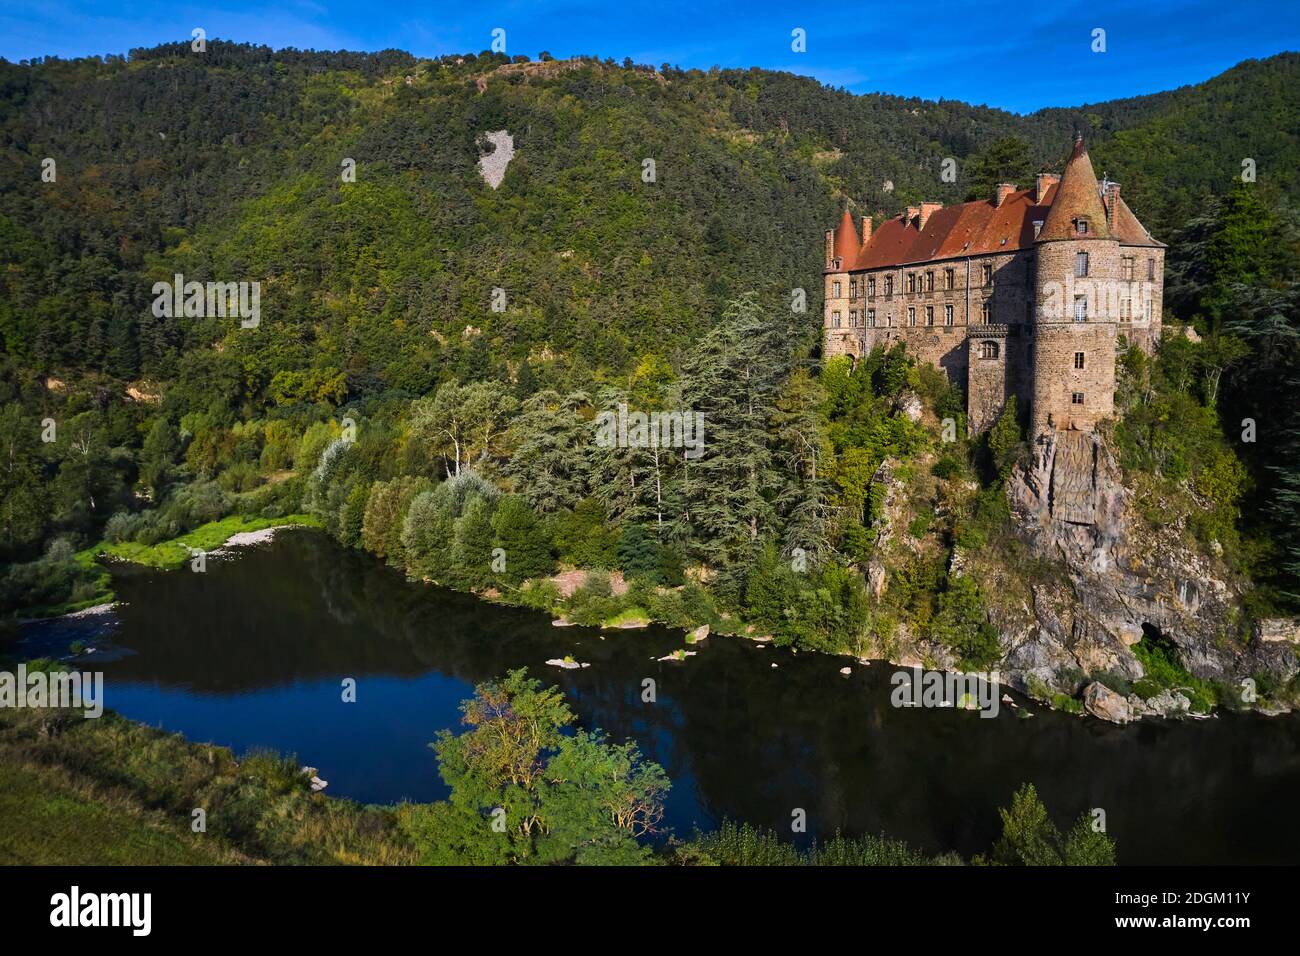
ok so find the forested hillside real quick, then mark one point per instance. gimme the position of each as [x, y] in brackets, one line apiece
[380, 368]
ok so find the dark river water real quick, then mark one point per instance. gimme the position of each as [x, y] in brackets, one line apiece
[251, 654]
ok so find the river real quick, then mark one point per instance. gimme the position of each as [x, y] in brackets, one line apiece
[252, 653]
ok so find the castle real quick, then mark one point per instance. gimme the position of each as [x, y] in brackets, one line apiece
[1027, 293]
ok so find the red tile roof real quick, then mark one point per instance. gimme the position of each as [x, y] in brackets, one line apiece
[981, 227]
[1129, 231]
[847, 244]
[1078, 196]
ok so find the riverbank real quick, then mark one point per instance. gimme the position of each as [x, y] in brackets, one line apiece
[110, 792]
[231, 531]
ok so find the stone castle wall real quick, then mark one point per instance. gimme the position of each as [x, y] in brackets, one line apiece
[1030, 313]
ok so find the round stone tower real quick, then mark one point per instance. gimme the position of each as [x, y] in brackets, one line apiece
[1076, 310]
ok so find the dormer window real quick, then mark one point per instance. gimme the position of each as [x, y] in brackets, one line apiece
[1081, 227]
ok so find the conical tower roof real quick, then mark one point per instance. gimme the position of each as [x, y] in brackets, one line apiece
[1078, 196]
[847, 243]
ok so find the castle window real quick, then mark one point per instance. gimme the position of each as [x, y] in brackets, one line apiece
[1126, 269]
[948, 278]
[853, 318]
[1147, 311]
[1078, 360]
[911, 282]
[1081, 227]
[1038, 227]
[853, 288]
[871, 317]
[1151, 269]
[986, 312]
[1080, 264]
[1125, 310]
[835, 320]
[947, 315]
[929, 315]
[889, 285]
[988, 275]
[1076, 398]
[835, 290]
[929, 282]
[911, 315]
[1081, 308]
[988, 350]
[871, 285]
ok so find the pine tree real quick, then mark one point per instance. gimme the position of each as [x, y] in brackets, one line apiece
[523, 539]
[471, 552]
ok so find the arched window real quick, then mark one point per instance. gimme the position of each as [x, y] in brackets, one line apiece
[989, 350]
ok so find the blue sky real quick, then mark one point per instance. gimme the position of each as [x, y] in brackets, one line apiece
[1019, 58]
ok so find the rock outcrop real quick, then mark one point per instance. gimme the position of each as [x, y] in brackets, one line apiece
[1100, 701]
[1120, 578]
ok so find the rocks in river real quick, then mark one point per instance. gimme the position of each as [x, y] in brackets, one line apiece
[568, 663]
[1102, 702]
[697, 635]
[846, 671]
[1169, 703]
[315, 782]
[677, 656]
[561, 622]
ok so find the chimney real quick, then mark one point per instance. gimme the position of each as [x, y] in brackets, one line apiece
[830, 248]
[1110, 198]
[1045, 182]
[928, 209]
[866, 229]
[1004, 190]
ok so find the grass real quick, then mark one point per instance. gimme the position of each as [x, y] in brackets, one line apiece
[1162, 669]
[110, 790]
[50, 818]
[633, 615]
[176, 552]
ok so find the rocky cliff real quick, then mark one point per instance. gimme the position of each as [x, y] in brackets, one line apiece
[1121, 579]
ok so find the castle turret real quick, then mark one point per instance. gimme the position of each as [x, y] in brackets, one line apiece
[1077, 270]
[842, 332]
